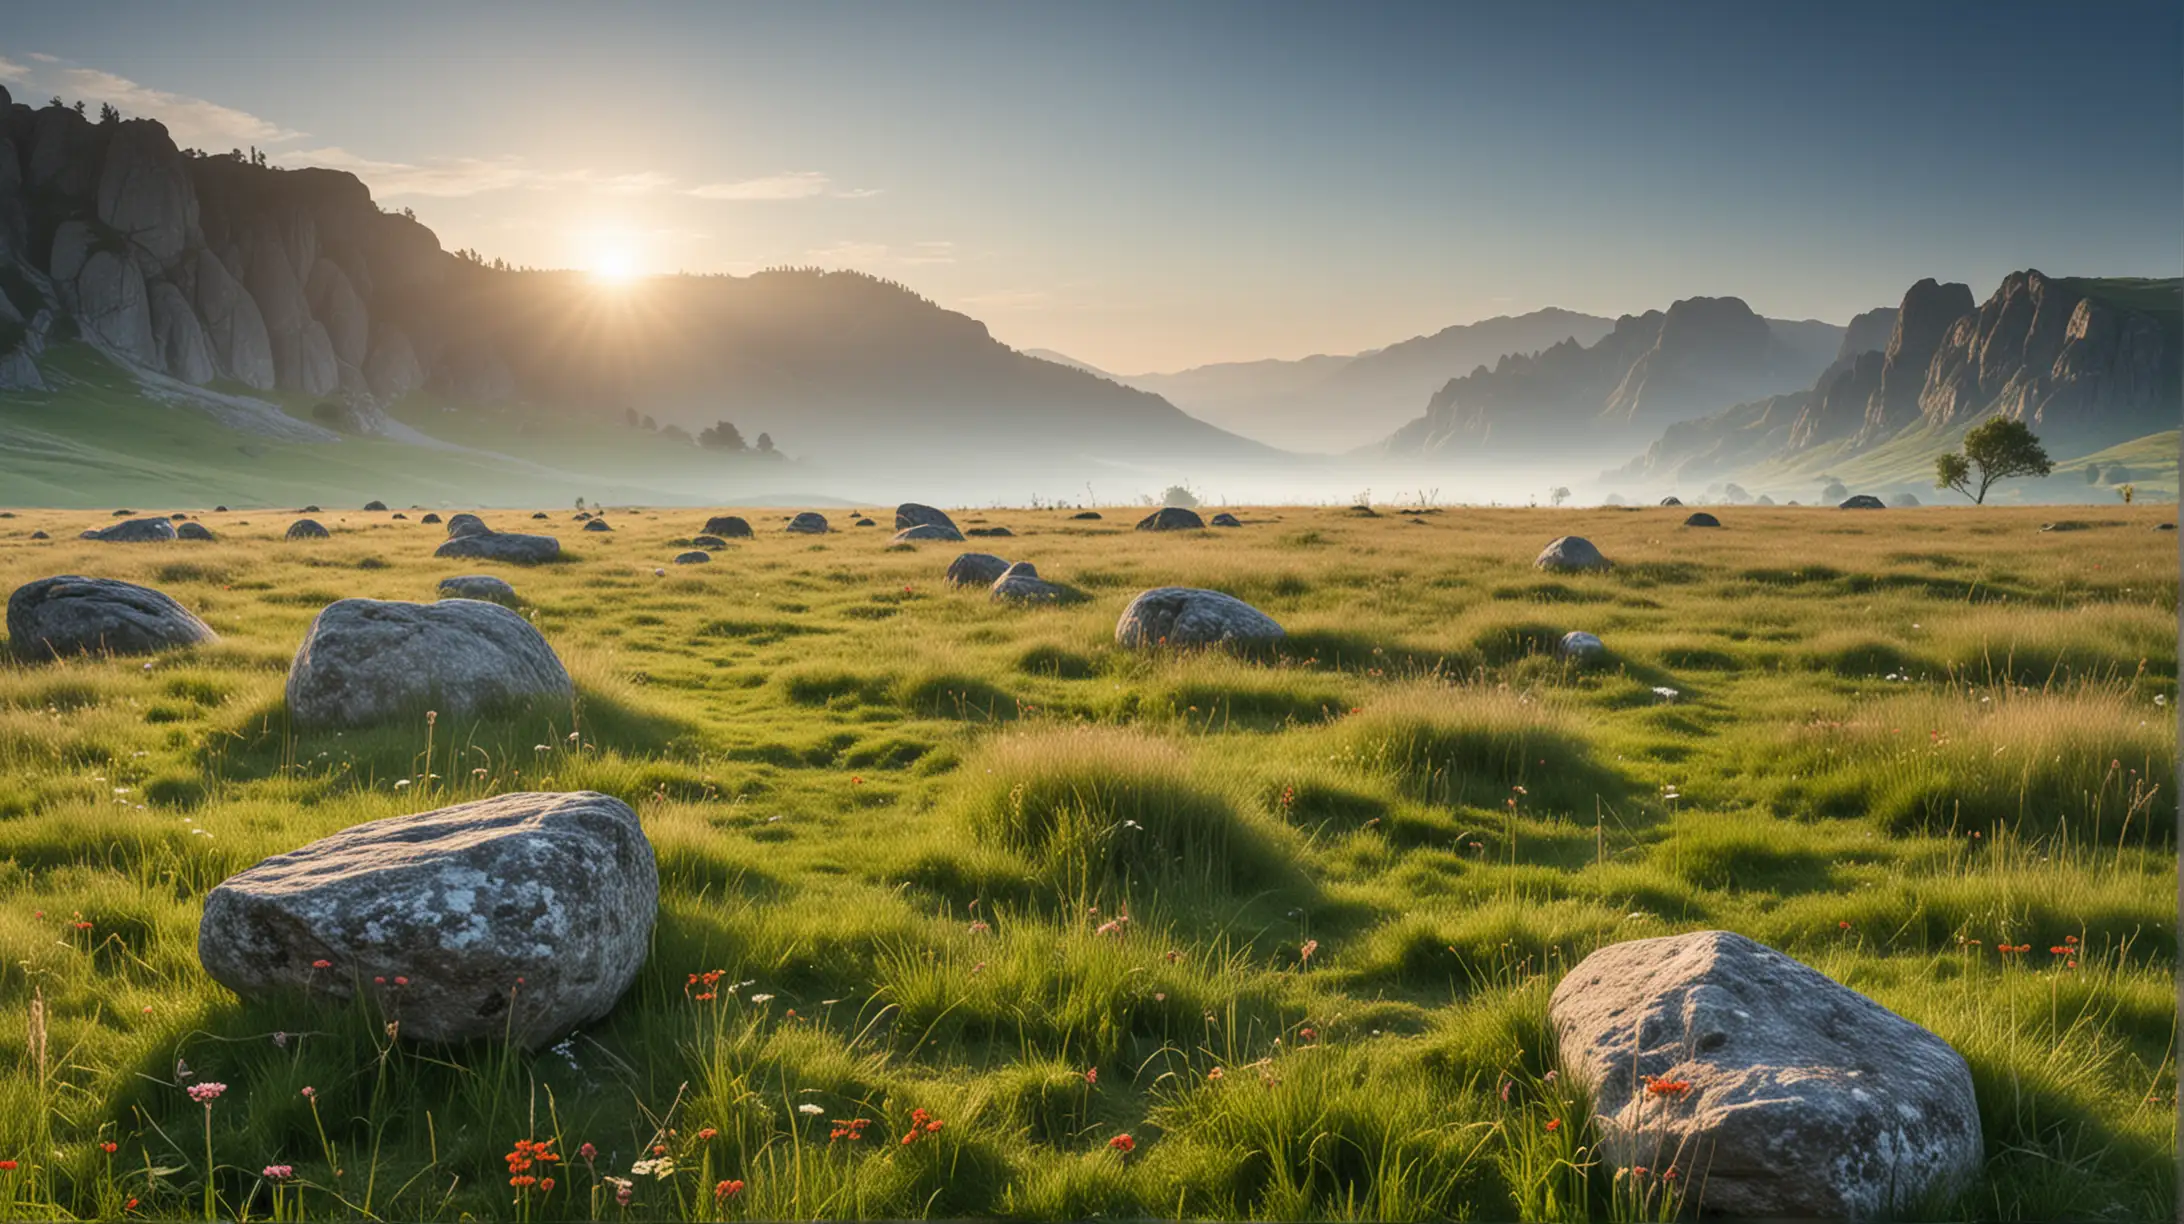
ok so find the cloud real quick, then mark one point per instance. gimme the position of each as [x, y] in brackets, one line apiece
[454, 176]
[875, 254]
[1010, 299]
[43, 58]
[787, 185]
[191, 121]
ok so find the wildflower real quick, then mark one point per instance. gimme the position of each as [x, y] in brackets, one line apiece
[661, 1167]
[727, 1189]
[1112, 926]
[761, 998]
[322, 963]
[1304, 953]
[1553, 1125]
[1308, 1033]
[621, 1189]
[1123, 1144]
[980, 927]
[1843, 926]
[810, 1110]
[706, 1134]
[131, 1205]
[401, 981]
[1216, 1074]
[588, 1152]
[851, 1129]
[1659, 1086]
[279, 1172]
[204, 1094]
[1092, 1075]
[309, 1093]
[7, 1166]
[109, 1147]
[546, 1185]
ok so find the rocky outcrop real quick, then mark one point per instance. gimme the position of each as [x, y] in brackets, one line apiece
[1187, 616]
[1929, 310]
[303, 354]
[808, 523]
[1571, 553]
[335, 304]
[911, 514]
[178, 338]
[1838, 408]
[521, 917]
[367, 661]
[241, 348]
[1869, 331]
[1771, 1090]
[104, 289]
[144, 195]
[391, 368]
[1020, 583]
[70, 615]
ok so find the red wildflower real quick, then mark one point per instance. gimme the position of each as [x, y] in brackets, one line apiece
[1123, 1143]
[546, 1185]
[322, 963]
[109, 1147]
[1553, 1125]
[728, 1189]
[1658, 1086]
[706, 1134]
[1308, 1033]
[7, 1166]
[587, 1151]
[1092, 1075]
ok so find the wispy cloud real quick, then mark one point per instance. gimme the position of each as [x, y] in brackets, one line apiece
[787, 185]
[191, 121]
[1010, 299]
[875, 254]
[454, 176]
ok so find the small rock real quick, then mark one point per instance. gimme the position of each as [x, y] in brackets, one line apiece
[1225, 519]
[557, 892]
[1863, 501]
[1171, 518]
[479, 586]
[597, 524]
[540, 514]
[2157, 527]
[506, 546]
[1571, 553]
[310, 510]
[193, 531]
[371, 660]
[134, 531]
[1187, 616]
[69, 615]
[975, 569]
[375, 505]
[430, 518]
[1086, 515]
[306, 529]
[708, 542]
[990, 533]
[1020, 583]
[693, 557]
[928, 531]
[1702, 519]
[808, 523]
[39, 535]
[219, 509]
[728, 526]
[864, 522]
[911, 514]
[1579, 645]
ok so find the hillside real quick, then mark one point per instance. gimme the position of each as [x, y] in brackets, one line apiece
[1335, 403]
[1651, 370]
[290, 290]
[2091, 364]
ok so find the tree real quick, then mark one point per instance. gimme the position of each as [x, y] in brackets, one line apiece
[722, 436]
[765, 444]
[630, 417]
[1179, 495]
[1559, 495]
[2001, 448]
[1833, 490]
[1736, 494]
[677, 432]
[108, 115]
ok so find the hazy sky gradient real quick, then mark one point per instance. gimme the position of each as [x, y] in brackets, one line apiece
[1148, 186]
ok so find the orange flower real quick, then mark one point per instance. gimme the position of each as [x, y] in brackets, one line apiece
[1123, 1143]
[728, 1189]
[1658, 1086]
[1553, 1125]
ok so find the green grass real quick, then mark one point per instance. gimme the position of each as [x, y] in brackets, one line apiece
[973, 859]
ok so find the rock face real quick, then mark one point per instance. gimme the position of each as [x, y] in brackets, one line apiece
[1929, 310]
[928, 531]
[368, 660]
[306, 529]
[1020, 583]
[478, 586]
[911, 514]
[1579, 645]
[1171, 518]
[179, 338]
[728, 526]
[241, 347]
[1571, 553]
[134, 531]
[1187, 616]
[145, 195]
[808, 523]
[509, 546]
[1805, 1099]
[1863, 501]
[1702, 519]
[556, 891]
[975, 569]
[69, 615]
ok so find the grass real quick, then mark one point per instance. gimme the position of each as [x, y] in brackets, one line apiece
[1288, 921]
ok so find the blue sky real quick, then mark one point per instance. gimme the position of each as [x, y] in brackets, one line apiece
[1147, 186]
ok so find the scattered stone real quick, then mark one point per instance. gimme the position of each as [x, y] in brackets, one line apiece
[729, 526]
[1020, 583]
[123, 513]
[1571, 553]
[1225, 519]
[597, 525]
[39, 535]
[2066, 525]
[506, 546]
[1672, 501]
[865, 522]
[1702, 519]
[193, 531]
[1171, 518]
[693, 557]
[219, 509]
[1580, 645]
[1787, 1095]
[466, 524]
[556, 891]
[1086, 515]
[1863, 501]
[927, 531]
[808, 523]
[134, 531]
[976, 569]
[581, 515]
[2157, 527]
[69, 615]
[1187, 616]
[911, 514]
[375, 505]
[479, 586]
[306, 529]
[371, 660]
[540, 514]
[430, 518]
[991, 533]
[398, 514]
[310, 510]
[708, 542]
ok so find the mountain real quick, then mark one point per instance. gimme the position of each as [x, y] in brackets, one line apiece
[219, 281]
[2090, 363]
[1649, 371]
[1332, 403]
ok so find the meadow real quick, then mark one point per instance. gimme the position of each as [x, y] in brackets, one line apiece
[1150, 934]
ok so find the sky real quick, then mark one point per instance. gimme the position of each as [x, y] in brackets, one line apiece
[1152, 186]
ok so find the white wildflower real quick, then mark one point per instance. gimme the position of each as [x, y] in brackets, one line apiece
[809, 1110]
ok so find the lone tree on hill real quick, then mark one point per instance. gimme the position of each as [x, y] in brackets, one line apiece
[1559, 495]
[2001, 448]
[722, 436]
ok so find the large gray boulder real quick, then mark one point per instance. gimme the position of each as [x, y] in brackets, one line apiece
[1701, 519]
[478, 586]
[509, 546]
[370, 660]
[1171, 518]
[728, 526]
[70, 615]
[927, 531]
[1862, 501]
[1571, 553]
[975, 569]
[808, 523]
[1580, 646]
[521, 916]
[194, 531]
[1187, 616]
[1774, 1092]
[179, 338]
[134, 531]
[911, 514]
[459, 525]
[1021, 583]
[307, 529]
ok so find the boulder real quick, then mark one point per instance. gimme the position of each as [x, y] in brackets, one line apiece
[864, 522]
[1571, 553]
[1187, 616]
[478, 586]
[306, 529]
[69, 615]
[506, 546]
[927, 531]
[1020, 583]
[540, 514]
[693, 557]
[1775, 1092]
[808, 523]
[39, 535]
[597, 525]
[429, 518]
[728, 526]
[1086, 515]
[375, 506]
[990, 533]
[911, 514]
[234, 328]
[1863, 501]
[193, 531]
[708, 542]
[1671, 501]
[370, 660]
[134, 531]
[1580, 645]
[521, 916]
[1226, 519]
[461, 525]
[1702, 519]
[975, 569]
[1171, 518]
[2164, 526]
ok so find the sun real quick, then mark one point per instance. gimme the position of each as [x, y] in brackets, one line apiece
[614, 266]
